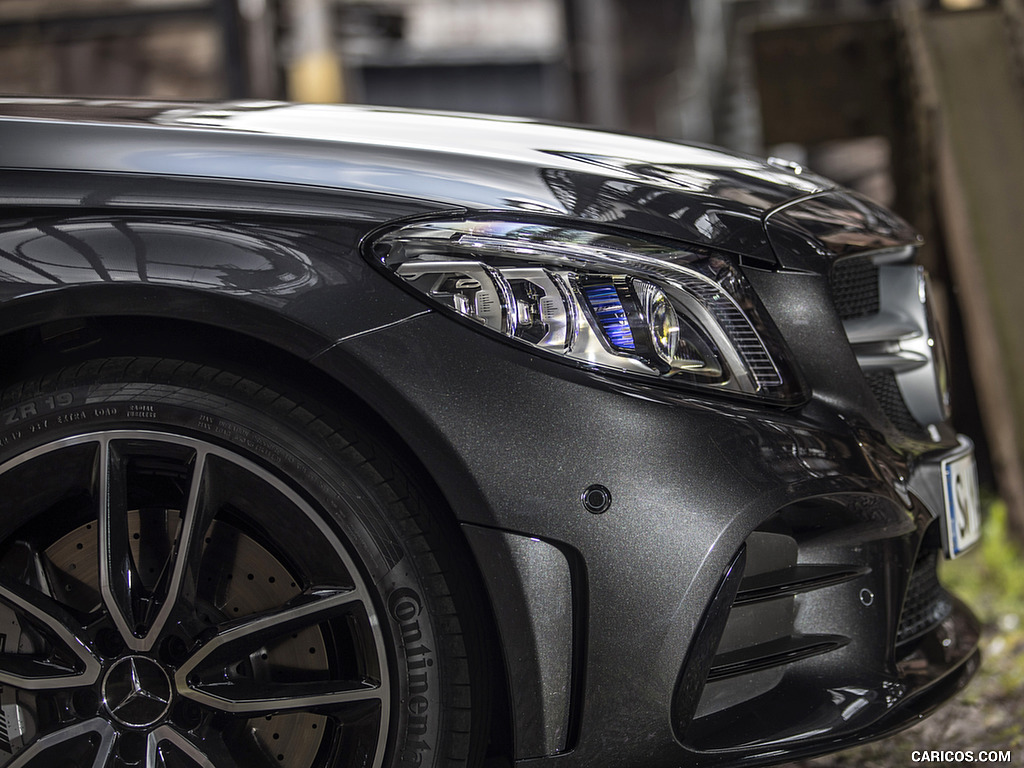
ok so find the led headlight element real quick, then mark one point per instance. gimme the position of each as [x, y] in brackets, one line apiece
[610, 302]
[660, 317]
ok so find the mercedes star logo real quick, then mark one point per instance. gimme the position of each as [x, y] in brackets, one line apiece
[137, 691]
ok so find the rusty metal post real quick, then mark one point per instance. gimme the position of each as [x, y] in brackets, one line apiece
[971, 253]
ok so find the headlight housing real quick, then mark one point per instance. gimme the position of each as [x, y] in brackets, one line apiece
[608, 302]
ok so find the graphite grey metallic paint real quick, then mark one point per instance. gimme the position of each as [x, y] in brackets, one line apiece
[248, 221]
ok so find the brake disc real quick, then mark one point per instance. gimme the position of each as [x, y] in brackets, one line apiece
[238, 577]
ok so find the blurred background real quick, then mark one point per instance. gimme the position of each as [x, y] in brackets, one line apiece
[918, 104]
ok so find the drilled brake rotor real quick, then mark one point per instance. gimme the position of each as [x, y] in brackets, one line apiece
[238, 577]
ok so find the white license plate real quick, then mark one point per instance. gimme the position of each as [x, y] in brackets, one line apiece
[961, 524]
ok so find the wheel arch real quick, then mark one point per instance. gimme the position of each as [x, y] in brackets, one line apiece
[58, 327]
[61, 327]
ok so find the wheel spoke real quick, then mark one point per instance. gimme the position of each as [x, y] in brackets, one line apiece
[97, 726]
[245, 697]
[24, 671]
[166, 734]
[141, 616]
[34, 572]
[239, 639]
[186, 553]
[236, 639]
[120, 582]
[211, 751]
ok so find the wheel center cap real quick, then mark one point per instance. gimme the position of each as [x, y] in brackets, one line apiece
[137, 691]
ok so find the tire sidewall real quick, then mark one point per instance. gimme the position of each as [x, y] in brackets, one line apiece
[316, 463]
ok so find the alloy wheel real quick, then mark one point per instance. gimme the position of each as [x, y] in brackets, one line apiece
[166, 600]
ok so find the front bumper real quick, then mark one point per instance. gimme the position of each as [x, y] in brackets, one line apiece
[692, 486]
[836, 718]
[822, 639]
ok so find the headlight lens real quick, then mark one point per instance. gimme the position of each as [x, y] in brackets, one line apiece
[604, 301]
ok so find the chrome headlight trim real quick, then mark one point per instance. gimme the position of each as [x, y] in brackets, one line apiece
[610, 302]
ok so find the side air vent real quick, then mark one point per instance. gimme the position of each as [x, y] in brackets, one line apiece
[759, 639]
[792, 580]
[774, 653]
[798, 635]
[760, 633]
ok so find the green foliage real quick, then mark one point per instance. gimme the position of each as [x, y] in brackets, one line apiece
[991, 580]
[991, 577]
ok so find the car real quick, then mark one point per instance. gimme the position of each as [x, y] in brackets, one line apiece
[352, 436]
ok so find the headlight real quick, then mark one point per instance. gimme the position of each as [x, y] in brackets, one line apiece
[604, 301]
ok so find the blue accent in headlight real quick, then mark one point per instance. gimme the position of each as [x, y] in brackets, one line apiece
[604, 301]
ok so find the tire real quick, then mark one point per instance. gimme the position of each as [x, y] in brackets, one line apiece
[196, 570]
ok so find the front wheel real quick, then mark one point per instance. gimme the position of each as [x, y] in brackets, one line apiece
[198, 571]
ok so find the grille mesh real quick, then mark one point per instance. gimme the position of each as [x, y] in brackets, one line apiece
[854, 284]
[927, 603]
[887, 392]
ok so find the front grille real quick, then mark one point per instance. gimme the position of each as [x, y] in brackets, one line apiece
[887, 393]
[926, 603]
[883, 315]
[854, 284]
